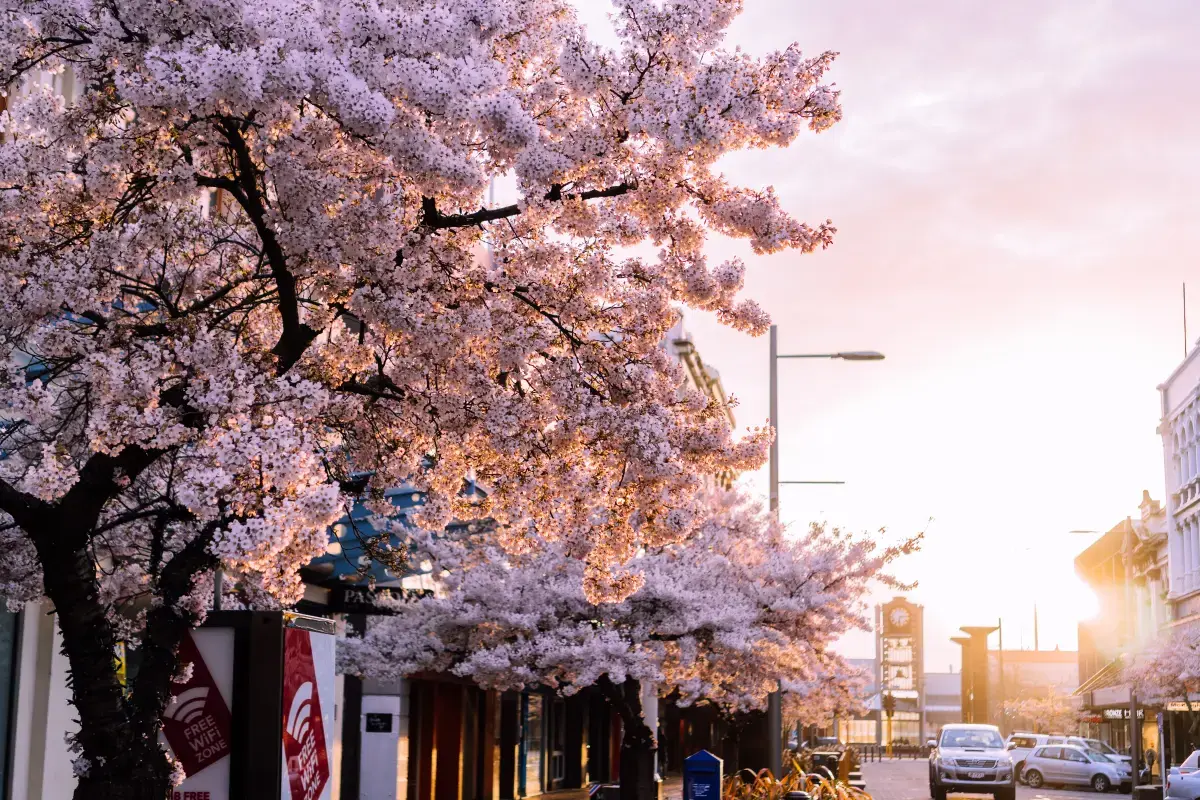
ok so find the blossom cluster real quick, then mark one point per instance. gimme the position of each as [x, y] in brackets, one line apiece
[248, 259]
[1168, 670]
[725, 617]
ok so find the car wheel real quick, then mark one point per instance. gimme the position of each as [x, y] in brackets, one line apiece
[1101, 783]
[1033, 779]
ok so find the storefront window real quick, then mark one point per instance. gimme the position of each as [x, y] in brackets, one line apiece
[8, 675]
[906, 728]
[861, 731]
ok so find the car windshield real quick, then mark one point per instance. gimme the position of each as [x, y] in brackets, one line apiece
[1096, 744]
[1191, 761]
[971, 738]
[1096, 755]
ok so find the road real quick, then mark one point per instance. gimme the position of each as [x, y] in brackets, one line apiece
[909, 780]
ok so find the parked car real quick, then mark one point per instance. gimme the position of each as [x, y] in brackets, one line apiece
[1183, 782]
[971, 759]
[1020, 745]
[1100, 747]
[1072, 764]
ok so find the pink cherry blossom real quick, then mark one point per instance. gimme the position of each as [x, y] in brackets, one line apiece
[244, 266]
[723, 617]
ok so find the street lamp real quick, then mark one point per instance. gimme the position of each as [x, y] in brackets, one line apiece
[775, 701]
[852, 355]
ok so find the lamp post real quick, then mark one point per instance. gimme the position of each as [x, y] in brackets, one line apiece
[775, 701]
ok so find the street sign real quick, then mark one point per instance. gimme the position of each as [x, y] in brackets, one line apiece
[305, 743]
[379, 723]
[198, 723]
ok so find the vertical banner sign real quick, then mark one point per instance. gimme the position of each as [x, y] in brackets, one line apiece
[197, 724]
[304, 744]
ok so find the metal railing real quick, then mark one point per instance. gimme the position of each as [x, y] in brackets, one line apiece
[878, 752]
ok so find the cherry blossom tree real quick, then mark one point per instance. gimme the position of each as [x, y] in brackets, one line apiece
[1050, 714]
[723, 617]
[242, 281]
[1169, 671]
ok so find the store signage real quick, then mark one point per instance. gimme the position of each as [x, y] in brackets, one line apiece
[379, 723]
[304, 744]
[356, 600]
[1121, 713]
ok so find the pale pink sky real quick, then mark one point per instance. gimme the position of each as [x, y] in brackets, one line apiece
[1016, 188]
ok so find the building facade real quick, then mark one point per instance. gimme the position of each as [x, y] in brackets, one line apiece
[1128, 569]
[1179, 428]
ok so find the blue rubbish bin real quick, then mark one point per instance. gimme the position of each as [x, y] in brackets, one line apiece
[703, 774]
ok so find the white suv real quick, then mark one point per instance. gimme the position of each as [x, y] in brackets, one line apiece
[971, 759]
[1020, 745]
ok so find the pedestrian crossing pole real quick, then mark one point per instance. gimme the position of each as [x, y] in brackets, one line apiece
[889, 708]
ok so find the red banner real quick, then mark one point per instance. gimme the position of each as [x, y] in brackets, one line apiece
[303, 728]
[197, 723]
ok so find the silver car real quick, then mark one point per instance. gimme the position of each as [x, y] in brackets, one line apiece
[971, 759]
[1071, 764]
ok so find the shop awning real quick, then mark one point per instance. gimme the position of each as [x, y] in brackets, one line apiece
[1106, 677]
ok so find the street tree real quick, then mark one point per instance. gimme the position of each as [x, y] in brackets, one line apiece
[243, 278]
[1169, 672]
[1049, 714]
[723, 617]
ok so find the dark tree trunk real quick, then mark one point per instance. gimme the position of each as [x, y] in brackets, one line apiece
[117, 742]
[638, 746]
[638, 753]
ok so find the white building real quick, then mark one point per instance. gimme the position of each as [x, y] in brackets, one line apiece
[1180, 431]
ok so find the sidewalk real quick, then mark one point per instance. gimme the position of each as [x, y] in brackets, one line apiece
[672, 789]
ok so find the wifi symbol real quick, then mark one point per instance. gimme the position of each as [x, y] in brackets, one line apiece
[188, 706]
[300, 712]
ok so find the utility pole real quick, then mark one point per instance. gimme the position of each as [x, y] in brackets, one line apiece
[1135, 739]
[775, 699]
[889, 708]
[1000, 658]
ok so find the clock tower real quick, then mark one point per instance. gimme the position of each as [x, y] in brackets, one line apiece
[900, 669]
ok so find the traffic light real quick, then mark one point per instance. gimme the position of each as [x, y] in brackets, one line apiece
[889, 704]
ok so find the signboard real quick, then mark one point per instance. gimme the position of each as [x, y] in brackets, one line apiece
[379, 723]
[122, 668]
[197, 724]
[1121, 713]
[307, 675]
[355, 600]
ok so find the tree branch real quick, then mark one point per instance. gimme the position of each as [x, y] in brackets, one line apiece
[296, 336]
[436, 220]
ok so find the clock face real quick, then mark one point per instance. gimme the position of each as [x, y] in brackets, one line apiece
[899, 617]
